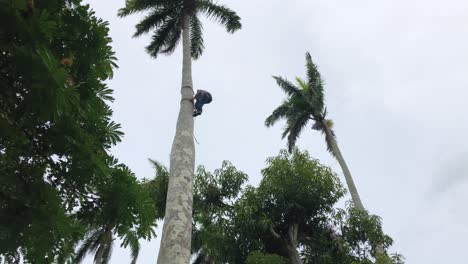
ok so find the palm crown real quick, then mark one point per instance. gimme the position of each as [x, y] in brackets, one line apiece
[165, 20]
[305, 102]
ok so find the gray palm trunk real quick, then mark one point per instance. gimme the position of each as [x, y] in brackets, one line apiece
[177, 228]
[106, 239]
[349, 180]
[99, 254]
[347, 174]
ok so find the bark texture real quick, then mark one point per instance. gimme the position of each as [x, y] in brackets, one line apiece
[292, 243]
[347, 174]
[105, 242]
[177, 228]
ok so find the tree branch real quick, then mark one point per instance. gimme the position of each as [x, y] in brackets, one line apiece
[273, 232]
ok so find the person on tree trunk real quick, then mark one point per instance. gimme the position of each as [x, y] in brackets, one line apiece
[201, 98]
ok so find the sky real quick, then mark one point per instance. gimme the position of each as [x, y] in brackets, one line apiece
[395, 81]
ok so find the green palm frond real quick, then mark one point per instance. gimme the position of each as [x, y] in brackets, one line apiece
[313, 75]
[294, 128]
[108, 252]
[135, 251]
[220, 14]
[160, 42]
[154, 20]
[89, 245]
[302, 84]
[196, 37]
[287, 86]
[279, 113]
[136, 6]
[161, 170]
[172, 41]
[319, 127]
[166, 17]
[305, 101]
[315, 84]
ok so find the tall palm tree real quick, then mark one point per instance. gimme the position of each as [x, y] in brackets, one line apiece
[306, 102]
[100, 241]
[169, 20]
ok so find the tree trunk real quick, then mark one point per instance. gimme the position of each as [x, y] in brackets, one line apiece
[349, 180]
[177, 228]
[347, 174]
[104, 245]
[292, 244]
[99, 254]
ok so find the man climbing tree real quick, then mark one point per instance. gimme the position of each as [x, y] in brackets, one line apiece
[201, 98]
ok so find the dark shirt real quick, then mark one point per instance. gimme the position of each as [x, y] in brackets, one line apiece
[204, 96]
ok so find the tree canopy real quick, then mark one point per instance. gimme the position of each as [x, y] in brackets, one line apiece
[165, 21]
[293, 208]
[57, 177]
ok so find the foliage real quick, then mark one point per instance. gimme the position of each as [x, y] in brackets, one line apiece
[257, 257]
[165, 20]
[56, 176]
[214, 196]
[124, 209]
[305, 101]
[233, 224]
[295, 190]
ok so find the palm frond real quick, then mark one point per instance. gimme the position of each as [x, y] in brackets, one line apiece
[172, 41]
[154, 20]
[302, 84]
[319, 127]
[220, 14]
[315, 83]
[287, 86]
[135, 250]
[294, 128]
[196, 37]
[279, 113]
[201, 257]
[136, 6]
[161, 170]
[108, 252]
[164, 39]
[89, 245]
[313, 75]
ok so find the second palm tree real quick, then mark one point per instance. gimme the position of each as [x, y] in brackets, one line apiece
[306, 102]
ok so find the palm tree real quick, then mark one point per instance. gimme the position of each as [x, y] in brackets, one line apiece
[100, 241]
[306, 102]
[169, 20]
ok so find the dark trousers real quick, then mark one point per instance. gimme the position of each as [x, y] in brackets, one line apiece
[200, 102]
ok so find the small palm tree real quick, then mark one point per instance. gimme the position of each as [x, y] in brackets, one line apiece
[170, 21]
[306, 102]
[98, 241]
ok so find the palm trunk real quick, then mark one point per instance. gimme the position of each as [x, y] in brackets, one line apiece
[347, 174]
[104, 245]
[349, 180]
[177, 228]
[99, 254]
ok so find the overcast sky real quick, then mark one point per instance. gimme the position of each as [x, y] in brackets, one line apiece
[396, 86]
